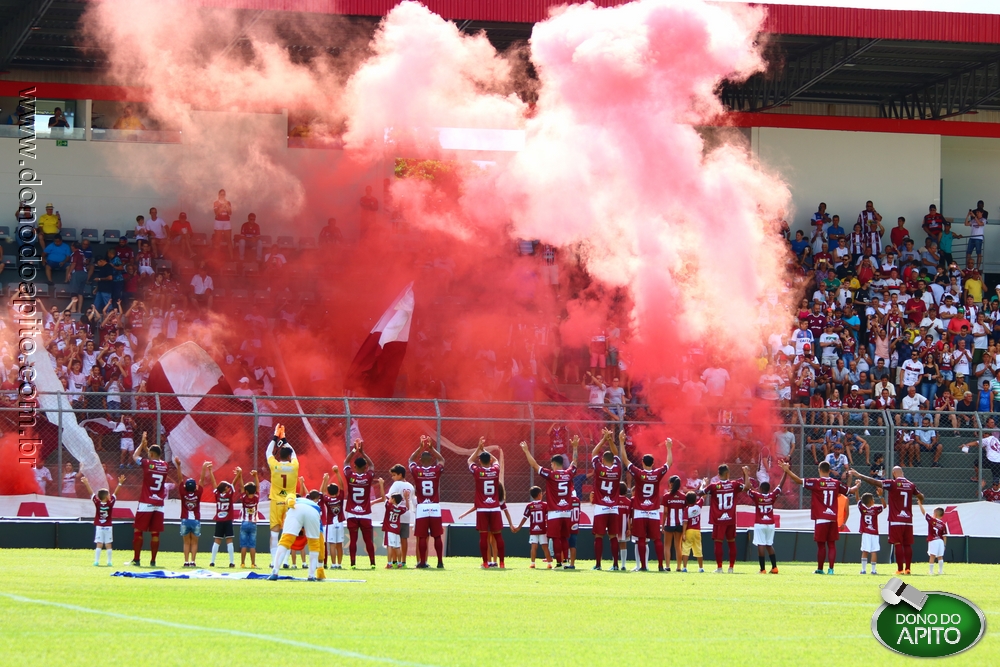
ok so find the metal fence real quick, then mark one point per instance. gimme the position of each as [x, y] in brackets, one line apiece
[321, 429]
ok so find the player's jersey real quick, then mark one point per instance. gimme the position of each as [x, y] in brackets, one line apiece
[333, 507]
[191, 503]
[624, 506]
[359, 491]
[901, 493]
[646, 487]
[824, 497]
[694, 514]
[224, 504]
[558, 488]
[869, 518]
[991, 495]
[722, 504]
[393, 517]
[487, 483]
[250, 503]
[606, 482]
[574, 515]
[426, 482]
[103, 510]
[154, 474]
[764, 505]
[284, 477]
[936, 528]
[534, 512]
[674, 505]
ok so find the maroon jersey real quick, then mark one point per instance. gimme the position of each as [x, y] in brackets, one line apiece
[153, 475]
[646, 487]
[824, 497]
[558, 488]
[333, 507]
[250, 503]
[869, 518]
[606, 482]
[694, 514]
[487, 480]
[191, 503]
[534, 512]
[359, 491]
[901, 493]
[426, 482]
[936, 528]
[764, 505]
[991, 495]
[224, 504]
[624, 505]
[393, 515]
[722, 506]
[674, 505]
[102, 510]
[574, 515]
[558, 440]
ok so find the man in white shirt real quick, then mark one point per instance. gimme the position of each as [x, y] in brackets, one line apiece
[912, 370]
[830, 344]
[42, 476]
[157, 228]
[912, 403]
[715, 380]
[202, 287]
[991, 448]
[244, 388]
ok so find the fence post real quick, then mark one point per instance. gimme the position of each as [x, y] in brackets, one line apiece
[156, 436]
[437, 412]
[979, 424]
[256, 428]
[347, 424]
[890, 449]
[59, 447]
[531, 415]
[802, 452]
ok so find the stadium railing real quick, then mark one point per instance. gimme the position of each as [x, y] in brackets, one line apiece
[322, 430]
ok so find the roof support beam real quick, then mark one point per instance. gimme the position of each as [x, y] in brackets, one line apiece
[950, 95]
[15, 32]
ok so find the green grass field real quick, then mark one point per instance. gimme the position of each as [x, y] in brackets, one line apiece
[459, 616]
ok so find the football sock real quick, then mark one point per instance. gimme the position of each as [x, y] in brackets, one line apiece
[659, 551]
[732, 554]
[909, 556]
[598, 549]
[718, 554]
[643, 552]
[614, 548]
[215, 551]
[500, 546]
[831, 548]
[820, 554]
[154, 545]
[932, 567]
[940, 563]
[623, 548]
[761, 559]
[366, 532]
[484, 547]
[97, 556]
[899, 557]
[313, 563]
[439, 549]
[864, 564]
[646, 561]
[421, 550]
[136, 546]
[232, 556]
[274, 547]
[109, 555]
[774, 561]
[279, 557]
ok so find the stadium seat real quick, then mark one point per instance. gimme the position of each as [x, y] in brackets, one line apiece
[307, 243]
[5, 233]
[41, 289]
[68, 234]
[219, 293]
[62, 291]
[286, 242]
[230, 269]
[265, 242]
[251, 269]
[90, 234]
[130, 235]
[112, 235]
[164, 264]
[199, 239]
[12, 288]
[262, 297]
[240, 296]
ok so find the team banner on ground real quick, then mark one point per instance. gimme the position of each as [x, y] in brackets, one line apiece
[979, 519]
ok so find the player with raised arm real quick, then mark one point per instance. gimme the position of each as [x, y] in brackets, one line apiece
[763, 525]
[149, 514]
[485, 469]
[427, 466]
[558, 499]
[674, 505]
[646, 503]
[869, 530]
[284, 467]
[224, 511]
[249, 500]
[190, 492]
[301, 515]
[104, 505]
[608, 470]
[333, 518]
[722, 514]
[823, 510]
[901, 493]
[359, 474]
[534, 512]
[937, 537]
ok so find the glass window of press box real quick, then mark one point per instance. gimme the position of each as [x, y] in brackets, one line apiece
[129, 121]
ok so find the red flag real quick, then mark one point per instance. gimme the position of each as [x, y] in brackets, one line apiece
[376, 366]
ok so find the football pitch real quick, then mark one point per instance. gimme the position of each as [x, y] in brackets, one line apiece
[58, 609]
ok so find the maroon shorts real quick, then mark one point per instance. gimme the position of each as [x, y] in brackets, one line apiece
[643, 528]
[607, 523]
[152, 522]
[901, 534]
[558, 528]
[724, 532]
[489, 522]
[431, 525]
[826, 532]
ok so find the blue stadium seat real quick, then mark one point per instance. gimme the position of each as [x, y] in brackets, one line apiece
[68, 234]
[90, 234]
[5, 233]
[112, 235]
[41, 289]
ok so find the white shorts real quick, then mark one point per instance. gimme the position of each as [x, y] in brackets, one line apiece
[538, 539]
[870, 543]
[223, 225]
[429, 511]
[335, 533]
[393, 540]
[935, 548]
[102, 535]
[299, 518]
[146, 270]
[128, 445]
[763, 535]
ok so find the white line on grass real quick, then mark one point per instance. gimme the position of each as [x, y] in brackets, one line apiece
[223, 631]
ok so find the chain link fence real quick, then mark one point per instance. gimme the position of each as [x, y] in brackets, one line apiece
[235, 430]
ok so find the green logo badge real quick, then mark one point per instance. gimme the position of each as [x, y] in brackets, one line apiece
[926, 625]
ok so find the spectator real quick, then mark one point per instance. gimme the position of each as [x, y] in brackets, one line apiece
[946, 242]
[715, 379]
[522, 385]
[933, 224]
[838, 461]
[69, 478]
[834, 233]
[244, 388]
[927, 441]
[991, 449]
[181, 232]
[141, 231]
[49, 226]
[250, 233]
[899, 233]
[912, 403]
[42, 476]
[57, 256]
[331, 234]
[76, 275]
[868, 215]
[977, 222]
[157, 227]
[223, 227]
[799, 244]
[274, 261]
[202, 287]
[369, 209]
[615, 397]
[58, 119]
[128, 120]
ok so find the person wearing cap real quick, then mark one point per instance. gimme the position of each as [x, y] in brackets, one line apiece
[855, 404]
[49, 226]
[244, 388]
[839, 463]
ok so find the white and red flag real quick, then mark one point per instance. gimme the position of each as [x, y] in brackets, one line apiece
[376, 366]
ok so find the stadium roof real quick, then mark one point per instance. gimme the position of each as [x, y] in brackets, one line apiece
[908, 64]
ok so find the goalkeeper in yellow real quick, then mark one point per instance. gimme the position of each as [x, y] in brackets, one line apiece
[301, 515]
[284, 476]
